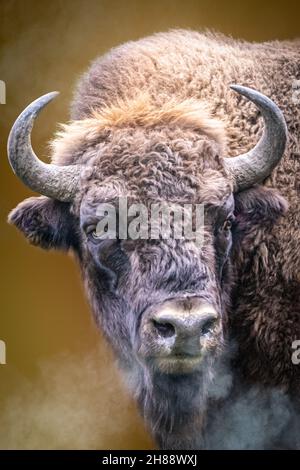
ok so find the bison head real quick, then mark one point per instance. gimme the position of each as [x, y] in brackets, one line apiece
[161, 302]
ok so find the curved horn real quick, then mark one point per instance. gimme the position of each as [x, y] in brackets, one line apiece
[57, 182]
[254, 166]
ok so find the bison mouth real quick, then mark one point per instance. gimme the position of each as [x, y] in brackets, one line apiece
[177, 363]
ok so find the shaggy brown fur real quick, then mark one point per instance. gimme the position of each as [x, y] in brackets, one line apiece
[183, 69]
[152, 119]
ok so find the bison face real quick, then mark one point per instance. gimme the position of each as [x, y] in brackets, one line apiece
[161, 302]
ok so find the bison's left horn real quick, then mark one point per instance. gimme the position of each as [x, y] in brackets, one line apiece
[257, 164]
[57, 182]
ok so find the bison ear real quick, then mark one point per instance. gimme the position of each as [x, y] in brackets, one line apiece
[45, 222]
[258, 207]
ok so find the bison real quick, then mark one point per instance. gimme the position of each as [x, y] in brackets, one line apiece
[182, 117]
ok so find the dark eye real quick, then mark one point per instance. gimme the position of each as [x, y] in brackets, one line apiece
[93, 234]
[227, 225]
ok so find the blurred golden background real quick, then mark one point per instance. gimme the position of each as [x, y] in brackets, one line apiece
[60, 388]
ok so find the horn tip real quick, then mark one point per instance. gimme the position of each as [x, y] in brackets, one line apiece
[238, 88]
[44, 100]
[50, 96]
[253, 95]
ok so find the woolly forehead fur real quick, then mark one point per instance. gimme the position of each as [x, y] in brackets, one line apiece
[188, 114]
[182, 125]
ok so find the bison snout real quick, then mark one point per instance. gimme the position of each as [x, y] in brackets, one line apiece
[180, 325]
[177, 330]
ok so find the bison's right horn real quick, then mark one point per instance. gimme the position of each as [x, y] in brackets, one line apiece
[257, 164]
[57, 182]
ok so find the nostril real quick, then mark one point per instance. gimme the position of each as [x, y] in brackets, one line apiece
[208, 326]
[165, 329]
